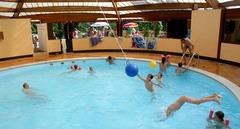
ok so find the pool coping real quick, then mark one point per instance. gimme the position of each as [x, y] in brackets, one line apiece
[235, 89]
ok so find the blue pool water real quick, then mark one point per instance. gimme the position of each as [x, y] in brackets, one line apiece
[107, 99]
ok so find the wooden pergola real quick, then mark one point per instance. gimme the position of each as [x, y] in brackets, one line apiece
[119, 10]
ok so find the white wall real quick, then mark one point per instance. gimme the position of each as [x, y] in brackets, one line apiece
[45, 44]
[42, 36]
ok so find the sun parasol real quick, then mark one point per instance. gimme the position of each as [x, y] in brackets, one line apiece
[130, 25]
[99, 24]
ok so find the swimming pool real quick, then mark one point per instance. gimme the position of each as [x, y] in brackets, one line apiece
[107, 99]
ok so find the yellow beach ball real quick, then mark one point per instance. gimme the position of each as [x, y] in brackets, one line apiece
[153, 64]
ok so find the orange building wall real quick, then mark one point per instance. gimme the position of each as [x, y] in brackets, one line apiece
[230, 52]
[205, 26]
[17, 38]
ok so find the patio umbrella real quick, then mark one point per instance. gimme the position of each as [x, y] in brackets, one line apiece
[99, 24]
[130, 25]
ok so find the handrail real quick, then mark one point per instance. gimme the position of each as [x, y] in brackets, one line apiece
[192, 59]
[183, 56]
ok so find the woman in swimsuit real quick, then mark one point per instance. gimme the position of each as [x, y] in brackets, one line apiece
[163, 65]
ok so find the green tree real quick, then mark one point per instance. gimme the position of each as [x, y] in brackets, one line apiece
[157, 28]
[164, 26]
[145, 27]
[82, 26]
[58, 30]
[34, 28]
[113, 25]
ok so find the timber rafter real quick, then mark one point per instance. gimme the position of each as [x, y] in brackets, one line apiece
[19, 6]
[160, 15]
[62, 17]
[231, 3]
[95, 8]
[4, 9]
[92, 17]
[33, 1]
[116, 9]
[165, 6]
[214, 4]
[65, 8]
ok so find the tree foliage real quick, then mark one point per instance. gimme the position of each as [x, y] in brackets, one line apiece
[34, 28]
[82, 26]
[58, 30]
[147, 27]
[113, 25]
[164, 26]
[157, 28]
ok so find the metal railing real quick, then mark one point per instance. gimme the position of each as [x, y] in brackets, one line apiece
[191, 58]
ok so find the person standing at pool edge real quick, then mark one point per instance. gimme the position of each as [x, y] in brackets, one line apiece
[185, 99]
[186, 45]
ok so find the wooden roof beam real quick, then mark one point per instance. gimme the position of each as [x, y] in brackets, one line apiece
[116, 10]
[19, 6]
[231, 3]
[214, 4]
[65, 8]
[8, 0]
[94, 8]
[164, 6]
[232, 13]
[3, 9]
[32, 1]
[62, 17]
[4, 17]
[92, 17]
[160, 15]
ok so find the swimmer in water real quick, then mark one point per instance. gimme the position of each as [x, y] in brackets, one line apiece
[27, 90]
[110, 60]
[148, 82]
[90, 70]
[75, 68]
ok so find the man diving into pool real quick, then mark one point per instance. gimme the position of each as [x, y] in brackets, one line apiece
[186, 99]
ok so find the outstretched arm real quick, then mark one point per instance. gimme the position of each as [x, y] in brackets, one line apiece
[140, 77]
[184, 69]
[159, 85]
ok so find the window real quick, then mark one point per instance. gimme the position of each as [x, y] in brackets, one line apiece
[232, 31]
